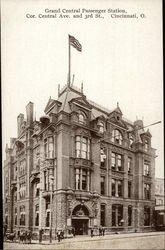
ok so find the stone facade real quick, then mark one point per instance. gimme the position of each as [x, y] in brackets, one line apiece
[80, 166]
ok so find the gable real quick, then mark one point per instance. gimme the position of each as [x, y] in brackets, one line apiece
[81, 101]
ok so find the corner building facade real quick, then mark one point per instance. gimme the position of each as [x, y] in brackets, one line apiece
[79, 166]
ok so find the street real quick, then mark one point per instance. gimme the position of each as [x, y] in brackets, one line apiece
[152, 240]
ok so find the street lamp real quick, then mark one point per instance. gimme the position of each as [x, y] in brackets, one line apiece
[51, 196]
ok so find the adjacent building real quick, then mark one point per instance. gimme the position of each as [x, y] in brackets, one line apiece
[81, 165]
[159, 204]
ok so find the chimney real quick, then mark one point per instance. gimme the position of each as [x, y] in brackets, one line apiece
[29, 113]
[20, 120]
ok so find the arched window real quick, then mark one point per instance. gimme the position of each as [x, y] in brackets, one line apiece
[101, 127]
[81, 118]
[117, 137]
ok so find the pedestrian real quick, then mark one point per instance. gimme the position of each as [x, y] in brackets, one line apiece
[100, 231]
[91, 232]
[103, 231]
[73, 231]
[62, 235]
[58, 236]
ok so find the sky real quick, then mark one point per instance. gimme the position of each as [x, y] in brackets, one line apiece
[121, 60]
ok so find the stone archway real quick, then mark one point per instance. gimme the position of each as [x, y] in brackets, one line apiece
[80, 220]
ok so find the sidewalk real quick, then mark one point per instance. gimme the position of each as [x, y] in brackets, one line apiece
[88, 238]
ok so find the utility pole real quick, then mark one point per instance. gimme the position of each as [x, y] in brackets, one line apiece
[51, 198]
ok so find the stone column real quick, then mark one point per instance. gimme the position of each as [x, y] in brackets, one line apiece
[77, 178]
[88, 180]
[125, 184]
[80, 178]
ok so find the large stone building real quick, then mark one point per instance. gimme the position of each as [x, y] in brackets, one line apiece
[79, 166]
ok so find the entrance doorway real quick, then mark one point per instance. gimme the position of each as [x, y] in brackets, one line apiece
[80, 220]
[81, 226]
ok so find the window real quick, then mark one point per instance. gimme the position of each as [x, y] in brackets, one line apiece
[146, 168]
[102, 157]
[117, 188]
[129, 165]
[15, 220]
[119, 163]
[81, 119]
[101, 127]
[22, 168]
[36, 155]
[36, 189]
[117, 137]
[113, 188]
[22, 216]
[82, 147]
[47, 218]
[117, 215]
[22, 190]
[48, 147]
[146, 191]
[116, 162]
[113, 161]
[129, 189]
[129, 215]
[102, 185]
[82, 179]
[102, 215]
[146, 145]
[47, 212]
[37, 215]
[146, 216]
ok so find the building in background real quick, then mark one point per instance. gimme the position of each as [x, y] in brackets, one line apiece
[159, 204]
[80, 165]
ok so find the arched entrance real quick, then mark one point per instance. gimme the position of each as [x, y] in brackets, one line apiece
[80, 220]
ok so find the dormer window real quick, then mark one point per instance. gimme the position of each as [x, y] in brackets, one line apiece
[117, 137]
[81, 118]
[101, 127]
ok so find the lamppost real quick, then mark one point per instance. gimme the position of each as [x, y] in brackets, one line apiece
[51, 196]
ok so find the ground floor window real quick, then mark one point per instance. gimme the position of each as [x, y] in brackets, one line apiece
[15, 220]
[37, 215]
[102, 215]
[22, 216]
[146, 216]
[117, 215]
[129, 215]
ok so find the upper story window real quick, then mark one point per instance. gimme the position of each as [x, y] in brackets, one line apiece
[81, 118]
[82, 147]
[146, 168]
[147, 191]
[22, 168]
[82, 179]
[102, 185]
[129, 165]
[101, 127]
[146, 145]
[117, 137]
[117, 188]
[48, 147]
[36, 157]
[22, 190]
[116, 162]
[102, 157]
